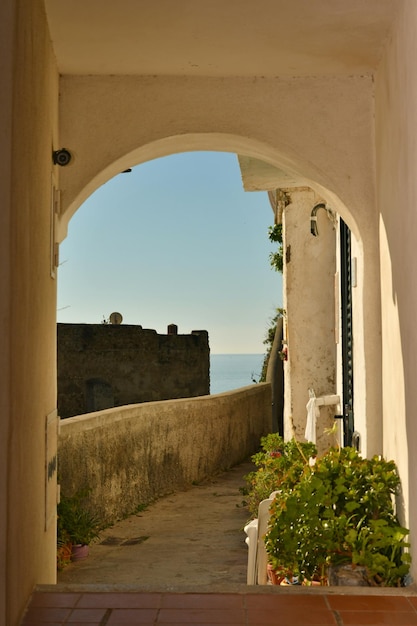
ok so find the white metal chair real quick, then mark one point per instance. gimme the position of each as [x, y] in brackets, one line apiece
[257, 555]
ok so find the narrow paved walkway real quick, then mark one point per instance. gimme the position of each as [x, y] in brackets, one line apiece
[183, 562]
[193, 537]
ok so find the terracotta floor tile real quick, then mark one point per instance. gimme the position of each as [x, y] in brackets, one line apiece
[24, 623]
[121, 600]
[132, 616]
[199, 616]
[41, 615]
[291, 617]
[65, 600]
[378, 618]
[218, 609]
[86, 616]
[284, 601]
[369, 603]
[202, 601]
[413, 602]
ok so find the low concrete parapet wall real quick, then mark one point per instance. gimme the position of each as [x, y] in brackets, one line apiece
[129, 456]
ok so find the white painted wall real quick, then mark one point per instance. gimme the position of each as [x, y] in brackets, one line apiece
[309, 301]
[320, 128]
[396, 149]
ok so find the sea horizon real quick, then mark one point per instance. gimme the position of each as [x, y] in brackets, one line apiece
[230, 370]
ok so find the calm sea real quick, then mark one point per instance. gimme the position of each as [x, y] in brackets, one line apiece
[231, 371]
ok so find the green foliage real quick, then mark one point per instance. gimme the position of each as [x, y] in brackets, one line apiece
[276, 259]
[340, 511]
[76, 523]
[379, 546]
[280, 465]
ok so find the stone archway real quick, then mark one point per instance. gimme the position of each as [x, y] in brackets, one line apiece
[299, 170]
[299, 127]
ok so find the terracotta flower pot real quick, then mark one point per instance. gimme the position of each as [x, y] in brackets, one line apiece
[273, 577]
[79, 552]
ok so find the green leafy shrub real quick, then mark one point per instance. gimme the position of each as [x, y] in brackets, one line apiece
[280, 465]
[340, 511]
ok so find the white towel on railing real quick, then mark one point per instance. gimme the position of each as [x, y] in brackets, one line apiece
[313, 412]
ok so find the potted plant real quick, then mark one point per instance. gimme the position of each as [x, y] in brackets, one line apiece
[279, 466]
[63, 550]
[340, 513]
[77, 525]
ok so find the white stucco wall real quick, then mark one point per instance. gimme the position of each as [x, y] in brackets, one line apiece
[396, 147]
[321, 128]
[309, 301]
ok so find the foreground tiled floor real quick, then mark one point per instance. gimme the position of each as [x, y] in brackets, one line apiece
[219, 609]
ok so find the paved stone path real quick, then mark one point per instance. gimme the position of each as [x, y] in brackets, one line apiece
[194, 537]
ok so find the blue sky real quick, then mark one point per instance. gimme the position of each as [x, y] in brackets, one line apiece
[175, 241]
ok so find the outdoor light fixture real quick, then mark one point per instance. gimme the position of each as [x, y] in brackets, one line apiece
[61, 157]
[313, 217]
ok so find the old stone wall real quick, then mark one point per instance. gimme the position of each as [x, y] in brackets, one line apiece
[104, 365]
[129, 456]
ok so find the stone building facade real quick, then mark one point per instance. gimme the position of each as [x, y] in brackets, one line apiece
[106, 365]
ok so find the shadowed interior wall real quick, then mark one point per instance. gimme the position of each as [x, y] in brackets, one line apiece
[31, 308]
[396, 150]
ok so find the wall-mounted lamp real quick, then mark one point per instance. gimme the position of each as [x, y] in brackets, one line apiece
[61, 157]
[313, 217]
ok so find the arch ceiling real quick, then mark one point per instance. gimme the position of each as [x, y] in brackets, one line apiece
[218, 38]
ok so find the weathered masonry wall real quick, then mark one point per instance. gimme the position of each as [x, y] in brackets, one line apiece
[103, 365]
[129, 456]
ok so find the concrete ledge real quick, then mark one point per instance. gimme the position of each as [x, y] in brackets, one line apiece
[131, 455]
[297, 590]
